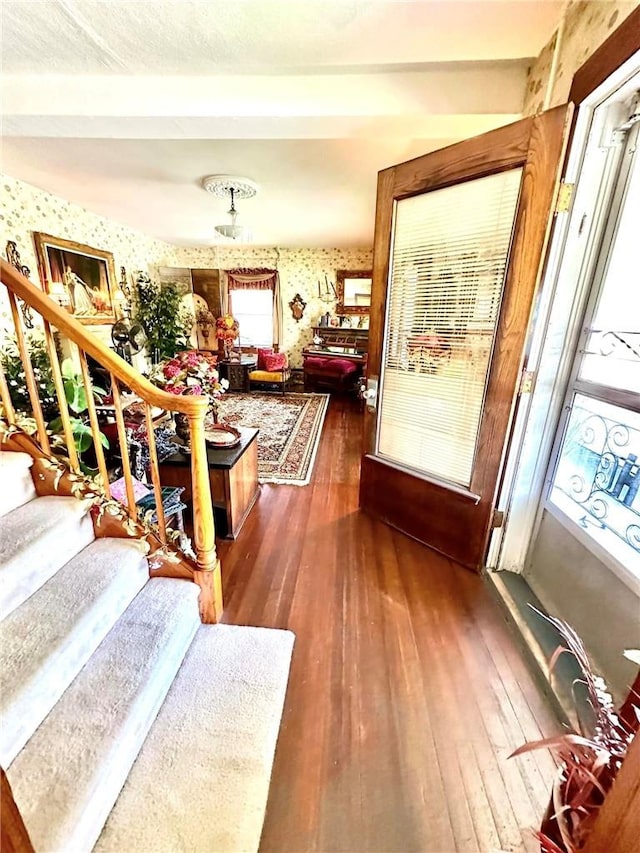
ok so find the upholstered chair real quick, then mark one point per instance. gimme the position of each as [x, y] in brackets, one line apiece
[272, 371]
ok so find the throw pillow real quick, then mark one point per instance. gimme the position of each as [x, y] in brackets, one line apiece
[261, 356]
[274, 362]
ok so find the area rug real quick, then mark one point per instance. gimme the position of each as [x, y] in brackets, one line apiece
[290, 427]
[201, 781]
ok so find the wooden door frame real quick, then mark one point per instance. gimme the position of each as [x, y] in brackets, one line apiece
[537, 145]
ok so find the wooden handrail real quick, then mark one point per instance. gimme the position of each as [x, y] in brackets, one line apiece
[76, 332]
[207, 574]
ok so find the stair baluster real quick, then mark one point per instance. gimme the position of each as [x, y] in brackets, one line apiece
[5, 397]
[93, 421]
[155, 473]
[124, 449]
[32, 387]
[62, 398]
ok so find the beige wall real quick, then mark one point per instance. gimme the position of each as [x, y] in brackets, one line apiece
[587, 25]
[25, 209]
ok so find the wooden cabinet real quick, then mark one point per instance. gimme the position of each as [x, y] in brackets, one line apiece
[237, 372]
[233, 476]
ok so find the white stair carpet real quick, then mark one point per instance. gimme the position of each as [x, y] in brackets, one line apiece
[16, 484]
[90, 739]
[36, 540]
[201, 780]
[40, 655]
[90, 648]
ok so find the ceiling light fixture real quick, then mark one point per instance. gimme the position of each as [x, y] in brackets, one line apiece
[235, 188]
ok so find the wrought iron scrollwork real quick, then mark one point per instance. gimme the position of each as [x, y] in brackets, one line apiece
[608, 491]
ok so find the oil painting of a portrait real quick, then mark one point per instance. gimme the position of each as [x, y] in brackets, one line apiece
[81, 278]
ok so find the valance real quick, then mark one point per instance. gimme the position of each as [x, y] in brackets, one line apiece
[245, 279]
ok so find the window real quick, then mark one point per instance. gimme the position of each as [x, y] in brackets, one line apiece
[253, 309]
[445, 290]
[596, 481]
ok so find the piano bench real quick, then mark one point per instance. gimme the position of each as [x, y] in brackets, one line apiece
[330, 372]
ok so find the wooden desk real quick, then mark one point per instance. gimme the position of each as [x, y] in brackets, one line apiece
[233, 475]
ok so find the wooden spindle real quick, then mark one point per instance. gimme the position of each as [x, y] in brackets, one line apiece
[62, 397]
[124, 449]
[7, 406]
[93, 420]
[32, 386]
[208, 574]
[155, 474]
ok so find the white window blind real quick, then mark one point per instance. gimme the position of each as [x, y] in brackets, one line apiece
[253, 309]
[448, 260]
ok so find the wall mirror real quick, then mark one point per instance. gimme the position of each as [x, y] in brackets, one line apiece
[353, 290]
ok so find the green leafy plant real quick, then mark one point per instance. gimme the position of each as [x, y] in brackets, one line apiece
[160, 312]
[76, 397]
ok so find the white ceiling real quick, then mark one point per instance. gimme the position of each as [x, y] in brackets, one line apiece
[124, 106]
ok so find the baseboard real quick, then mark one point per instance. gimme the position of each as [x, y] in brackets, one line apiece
[538, 640]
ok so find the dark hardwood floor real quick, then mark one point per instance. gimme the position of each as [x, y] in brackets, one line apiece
[407, 690]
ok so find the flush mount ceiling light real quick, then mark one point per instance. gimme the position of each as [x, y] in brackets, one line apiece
[234, 188]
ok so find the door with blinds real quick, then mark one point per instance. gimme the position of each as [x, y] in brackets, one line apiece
[459, 242]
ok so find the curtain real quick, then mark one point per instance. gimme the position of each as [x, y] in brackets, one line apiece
[257, 279]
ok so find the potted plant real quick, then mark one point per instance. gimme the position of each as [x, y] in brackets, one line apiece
[190, 372]
[161, 313]
[588, 758]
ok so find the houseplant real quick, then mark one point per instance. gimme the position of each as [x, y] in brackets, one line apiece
[165, 320]
[190, 372]
[588, 758]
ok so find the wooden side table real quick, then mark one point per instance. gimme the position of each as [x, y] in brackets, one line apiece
[233, 475]
[237, 372]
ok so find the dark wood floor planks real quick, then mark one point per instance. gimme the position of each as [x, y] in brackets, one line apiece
[407, 690]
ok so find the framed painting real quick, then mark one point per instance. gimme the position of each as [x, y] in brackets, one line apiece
[80, 278]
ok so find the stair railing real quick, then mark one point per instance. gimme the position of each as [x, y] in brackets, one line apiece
[53, 317]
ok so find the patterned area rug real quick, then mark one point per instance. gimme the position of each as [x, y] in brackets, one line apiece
[290, 427]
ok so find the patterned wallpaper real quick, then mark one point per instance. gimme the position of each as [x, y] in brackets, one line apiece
[25, 208]
[300, 271]
[588, 24]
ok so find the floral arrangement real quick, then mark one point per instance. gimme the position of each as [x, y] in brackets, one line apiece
[227, 328]
[190, 372]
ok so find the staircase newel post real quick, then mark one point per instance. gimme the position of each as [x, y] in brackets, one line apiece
[208, 574]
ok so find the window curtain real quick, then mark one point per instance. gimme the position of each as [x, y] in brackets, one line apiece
[252, 279]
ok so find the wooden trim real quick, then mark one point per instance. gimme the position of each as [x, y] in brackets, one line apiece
[430, 512]
[76, 332]
[5, 398]
[492, 152]
[612, 53]
[14, 837]
[549, 135]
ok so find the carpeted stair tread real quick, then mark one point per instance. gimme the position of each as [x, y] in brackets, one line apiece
[68, 776]
[46, 641]
[36, 540]
[200, 782]
[16, 483]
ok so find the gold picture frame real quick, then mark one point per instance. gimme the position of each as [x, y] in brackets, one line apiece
[353, 291]
[81, 278]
